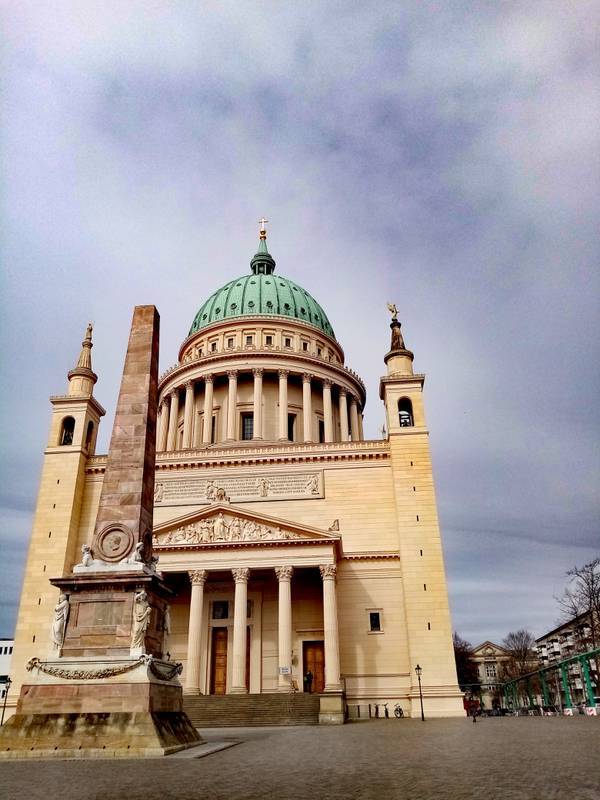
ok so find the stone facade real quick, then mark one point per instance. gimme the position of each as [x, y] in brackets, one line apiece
[288, 541]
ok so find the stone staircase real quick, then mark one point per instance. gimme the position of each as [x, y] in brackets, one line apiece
[245, 710]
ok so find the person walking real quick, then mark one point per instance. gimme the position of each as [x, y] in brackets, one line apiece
[308, 679]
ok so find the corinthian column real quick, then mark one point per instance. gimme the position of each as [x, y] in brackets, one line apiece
[284, 576]
[283, 405]
[188, 415]
[327, 410]
[257, 408]
[208, 409]
[354, 419]
[343, 416]
[231, 405]
[330, 629]
[192, 672]
[240, 607]
[164, 425]
[307, 407]
[173, 420]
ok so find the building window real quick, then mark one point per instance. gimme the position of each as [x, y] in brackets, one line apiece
[405, 413]
[321, 431]
[89, 434]
[230, 341]
[319, 351]
[213, 347]
[67, 431]
[247, 427]
[291, 426]
[490, 669]
[248, 341]
[213, 430]
[220, 609]
[269, 341]
[305, 347]
[287, 342]
[375, 625]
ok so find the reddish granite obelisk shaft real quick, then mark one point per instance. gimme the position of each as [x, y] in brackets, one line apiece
[126, 506]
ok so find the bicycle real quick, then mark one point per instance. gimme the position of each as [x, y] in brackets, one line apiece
[398, 711]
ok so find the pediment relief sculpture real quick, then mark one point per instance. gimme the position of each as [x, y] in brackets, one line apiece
[224, 528]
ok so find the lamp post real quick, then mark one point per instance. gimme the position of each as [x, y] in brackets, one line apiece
[7, 687]
[419, 670]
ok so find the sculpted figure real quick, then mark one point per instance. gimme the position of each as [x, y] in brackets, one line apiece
[263, 487]
[220, 528]
[61, 615]
[211, 491]
[167, 619]
[158, 492]
[86, 557]
[141, 619]
[235, 529]
[312, 485]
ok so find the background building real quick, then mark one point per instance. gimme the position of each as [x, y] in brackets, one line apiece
[6, 650]
[564, 641]
[489, 658]
[291, 543]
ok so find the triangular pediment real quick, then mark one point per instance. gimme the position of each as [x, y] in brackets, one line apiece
[488, 648]
[224, 524]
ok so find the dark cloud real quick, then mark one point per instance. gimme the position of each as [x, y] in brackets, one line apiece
[437, 155]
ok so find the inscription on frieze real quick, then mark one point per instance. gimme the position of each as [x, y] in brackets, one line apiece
[197, 491]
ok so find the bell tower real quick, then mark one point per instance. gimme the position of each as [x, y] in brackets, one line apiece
[71, 441]
[429, 628]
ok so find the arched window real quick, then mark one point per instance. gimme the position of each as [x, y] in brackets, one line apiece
[89, 434]
[67, 430]
[405, 413]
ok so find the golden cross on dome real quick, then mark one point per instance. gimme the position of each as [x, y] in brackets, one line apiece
[263, 231]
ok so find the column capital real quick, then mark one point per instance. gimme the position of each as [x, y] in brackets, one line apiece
[258, 371]
[284, 573]
[327, 382]
[174, 392]
[343, 392]
[241, 574]
[189, 385]
[208, 378]
[283, 373]
[198, 576]
[307, 377]
[328, 571]
[232, 373]
[165, 401]
[353, 400]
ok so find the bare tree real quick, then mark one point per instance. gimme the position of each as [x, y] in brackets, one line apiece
[581, 602]
[466, 668]
[521, 646]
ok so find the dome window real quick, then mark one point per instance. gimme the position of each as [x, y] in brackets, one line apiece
[303, 311]
[269, 304]
[252, 283]
[405, 413]
[294, 288]
[204, 316]
[286, 306]
[267, 283]
[233, 306]
[217, 310]
[238, 284]
[251, 304]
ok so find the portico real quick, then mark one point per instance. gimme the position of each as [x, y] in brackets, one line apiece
[244, 633]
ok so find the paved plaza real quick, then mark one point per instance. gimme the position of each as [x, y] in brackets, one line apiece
[529, 758]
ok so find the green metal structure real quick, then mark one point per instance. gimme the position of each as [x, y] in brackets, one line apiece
[560, 668]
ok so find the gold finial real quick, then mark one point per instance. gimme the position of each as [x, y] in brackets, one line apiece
[263, 231]
[393, 311]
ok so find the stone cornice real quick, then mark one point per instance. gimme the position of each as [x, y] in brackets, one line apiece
[72, 399]
[213, 457]
[370, 556]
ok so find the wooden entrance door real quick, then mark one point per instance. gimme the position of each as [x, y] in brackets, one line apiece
[218, 666]
[314, 660]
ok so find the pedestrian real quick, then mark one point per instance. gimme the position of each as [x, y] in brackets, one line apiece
[474, 716]
[308, 679]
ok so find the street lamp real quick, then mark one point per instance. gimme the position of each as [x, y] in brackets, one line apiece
[7, 684]
[419, 670]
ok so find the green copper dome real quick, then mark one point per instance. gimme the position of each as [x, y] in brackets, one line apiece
[262, 293]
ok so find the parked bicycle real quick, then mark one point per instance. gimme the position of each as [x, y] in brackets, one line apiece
[398, 711]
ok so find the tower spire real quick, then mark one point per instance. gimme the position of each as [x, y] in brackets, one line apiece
[82, 378]
[263, 262]
[399, 359]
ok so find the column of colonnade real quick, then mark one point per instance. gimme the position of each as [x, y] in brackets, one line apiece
[168, 412]
[241, 576]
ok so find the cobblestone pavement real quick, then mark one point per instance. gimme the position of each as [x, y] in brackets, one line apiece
[529, 758]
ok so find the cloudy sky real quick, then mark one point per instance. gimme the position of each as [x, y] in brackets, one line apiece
[443, 155]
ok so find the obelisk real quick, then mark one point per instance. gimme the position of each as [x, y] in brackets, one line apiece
[105, 688]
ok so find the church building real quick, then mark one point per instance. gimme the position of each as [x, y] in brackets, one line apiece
[302, 557]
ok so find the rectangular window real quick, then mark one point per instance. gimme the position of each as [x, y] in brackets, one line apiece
[291, 426]
[248, 341]
[321, 431]
[375, 622]
[247, 427]
[213, 347]
[269, 341]
[319, 351]
[287, 342]
[490, 670]
[213, 430]
[305, 347]
[230, 342]
[220, 609]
